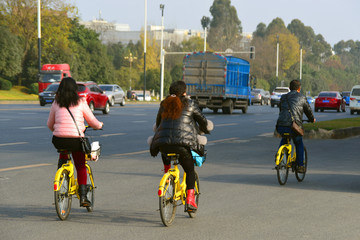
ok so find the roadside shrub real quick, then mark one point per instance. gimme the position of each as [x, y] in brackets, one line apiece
[34, 88]
[5, 84]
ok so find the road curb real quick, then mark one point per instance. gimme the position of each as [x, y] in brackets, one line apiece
[329, 134]
[332, 134]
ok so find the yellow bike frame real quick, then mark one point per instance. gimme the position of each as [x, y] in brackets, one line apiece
[290, 158]
[58, 181]
[73, 186]
[180, 188]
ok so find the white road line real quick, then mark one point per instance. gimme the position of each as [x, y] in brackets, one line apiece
[264, 121]
[25, 128]
[5, 119]
[24, 167]
[10, 144]
[112, 134]
[139, 121]
[223, 140]
[266, 134]
[226, 124]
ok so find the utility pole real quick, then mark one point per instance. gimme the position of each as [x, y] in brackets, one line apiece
[162, 6]
[39, 34]
[205, 23]
[277, 60]
[145, 26]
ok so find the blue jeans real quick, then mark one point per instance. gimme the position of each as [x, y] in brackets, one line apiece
[297, 141]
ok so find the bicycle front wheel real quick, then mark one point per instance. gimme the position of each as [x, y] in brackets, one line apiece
[300, 176]
[192, 214]
[282, 169]
[167, 203]
[90, 188]
[62, 197]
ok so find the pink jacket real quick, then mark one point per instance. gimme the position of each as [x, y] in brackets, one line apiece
[62, 125]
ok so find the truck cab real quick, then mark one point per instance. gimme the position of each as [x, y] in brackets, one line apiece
[51, 73]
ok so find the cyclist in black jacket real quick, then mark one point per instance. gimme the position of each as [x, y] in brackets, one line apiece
[178, 122]
[298, 106]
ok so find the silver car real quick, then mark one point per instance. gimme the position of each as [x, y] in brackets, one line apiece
[114, 93]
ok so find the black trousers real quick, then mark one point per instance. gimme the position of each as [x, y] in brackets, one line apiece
[185, 160]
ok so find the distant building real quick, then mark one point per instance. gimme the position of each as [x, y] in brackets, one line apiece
[114, 33]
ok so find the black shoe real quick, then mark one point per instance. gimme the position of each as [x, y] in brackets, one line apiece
[301, 169]
[84, 201]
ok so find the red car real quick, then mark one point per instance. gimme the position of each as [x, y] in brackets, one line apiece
[95, 97]
[330, 100]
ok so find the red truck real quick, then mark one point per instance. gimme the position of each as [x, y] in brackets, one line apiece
[51, 73]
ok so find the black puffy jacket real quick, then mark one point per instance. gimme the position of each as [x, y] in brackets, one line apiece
[182, 131]
[298, 106]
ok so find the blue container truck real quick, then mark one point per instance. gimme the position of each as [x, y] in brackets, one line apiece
[217, 82]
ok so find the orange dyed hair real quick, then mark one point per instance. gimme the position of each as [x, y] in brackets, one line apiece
[172, 108]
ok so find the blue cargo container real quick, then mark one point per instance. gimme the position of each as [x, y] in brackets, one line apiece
[217, 82]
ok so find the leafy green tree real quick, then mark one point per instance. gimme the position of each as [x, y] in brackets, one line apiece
[10, 54]
[277, 26]
[260, 30]
[225, 26]
[176, 73]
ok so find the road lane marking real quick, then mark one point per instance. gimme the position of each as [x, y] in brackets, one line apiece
[223, 140]
[112, 134]
[131, 153]
[270, 134]
[5, 119]
[139, 121]
[264, 121]
[26, 128]
[10, 144]
[24, 167]
[226, 124]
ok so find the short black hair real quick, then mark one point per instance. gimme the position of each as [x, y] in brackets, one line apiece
[178, 88]
[295, 85]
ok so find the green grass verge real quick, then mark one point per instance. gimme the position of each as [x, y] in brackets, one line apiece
[334, 124]
[16, 94]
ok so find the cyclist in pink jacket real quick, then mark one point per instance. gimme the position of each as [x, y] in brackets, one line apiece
[65, 133]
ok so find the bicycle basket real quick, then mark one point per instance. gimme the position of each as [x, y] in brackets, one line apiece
[198, 160]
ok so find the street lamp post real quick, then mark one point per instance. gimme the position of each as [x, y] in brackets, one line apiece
[39, 34]
[131, 59]
[300, 62]
[277, 60]
[162, 6]
[205, 23]
[145, 26]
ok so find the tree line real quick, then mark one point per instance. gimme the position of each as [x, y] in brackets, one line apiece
[64, 40]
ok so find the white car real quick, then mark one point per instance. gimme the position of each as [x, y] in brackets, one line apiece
[276, 95]
[355, 99]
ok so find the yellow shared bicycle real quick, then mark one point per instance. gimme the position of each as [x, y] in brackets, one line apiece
[285, 159]
[172, 192]
[66, 186]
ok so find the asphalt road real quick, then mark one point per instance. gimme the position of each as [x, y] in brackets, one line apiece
[240, 196]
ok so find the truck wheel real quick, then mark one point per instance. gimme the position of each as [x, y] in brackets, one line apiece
[244, 109]
[215, 110]
[229, 106]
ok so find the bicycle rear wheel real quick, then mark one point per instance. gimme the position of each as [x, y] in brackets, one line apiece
[197, 195]
[167, 203]
[300, 176]
[282, 169]
[90, 188]
[62, 197]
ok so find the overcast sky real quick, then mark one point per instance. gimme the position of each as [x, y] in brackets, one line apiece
[335, 20]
